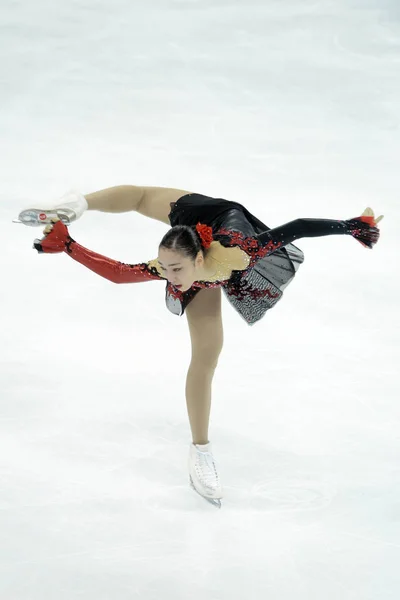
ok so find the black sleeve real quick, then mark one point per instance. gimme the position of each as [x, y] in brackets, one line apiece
[300, 228]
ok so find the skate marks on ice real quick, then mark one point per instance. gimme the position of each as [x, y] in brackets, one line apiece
[269, 496]
[283, 494]
[286, 486]
[269, 480]
[379, 41]
[180, 498]
[276, 496]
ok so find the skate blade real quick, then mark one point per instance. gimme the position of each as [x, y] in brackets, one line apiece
[214, 501]
[33, 217]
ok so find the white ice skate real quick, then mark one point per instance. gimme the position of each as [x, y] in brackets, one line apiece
[70, 207]
[203, 473]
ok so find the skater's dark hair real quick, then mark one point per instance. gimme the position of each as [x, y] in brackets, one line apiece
[183, 239]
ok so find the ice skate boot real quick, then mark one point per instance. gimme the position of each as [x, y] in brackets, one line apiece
[70, 207]
[203, 473]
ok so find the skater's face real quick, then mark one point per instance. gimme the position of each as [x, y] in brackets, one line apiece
[180, 270]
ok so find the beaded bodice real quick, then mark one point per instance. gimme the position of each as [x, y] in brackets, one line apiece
[252, 290]
[238, 284]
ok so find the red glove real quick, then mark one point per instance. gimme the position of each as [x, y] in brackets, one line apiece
[56, 239]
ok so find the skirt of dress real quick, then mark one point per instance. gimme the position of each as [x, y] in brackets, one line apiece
[257, 290]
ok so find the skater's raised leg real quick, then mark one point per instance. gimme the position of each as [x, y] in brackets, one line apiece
[152, 202]
[118, 199]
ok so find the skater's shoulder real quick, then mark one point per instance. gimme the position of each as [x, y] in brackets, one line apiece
[234, 258]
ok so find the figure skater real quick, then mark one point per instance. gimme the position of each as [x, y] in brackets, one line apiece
[212, 244]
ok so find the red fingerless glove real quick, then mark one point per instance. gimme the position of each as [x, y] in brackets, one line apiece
[57, 240]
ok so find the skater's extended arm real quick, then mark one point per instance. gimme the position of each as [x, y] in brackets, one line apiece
[113, 270]
[58, 240]
[363, 228]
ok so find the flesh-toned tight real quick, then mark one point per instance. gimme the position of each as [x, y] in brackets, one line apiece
[206, 332]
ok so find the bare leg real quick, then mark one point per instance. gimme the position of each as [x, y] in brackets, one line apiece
[206, 332]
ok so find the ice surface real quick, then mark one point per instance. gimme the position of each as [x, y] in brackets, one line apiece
[292, 108]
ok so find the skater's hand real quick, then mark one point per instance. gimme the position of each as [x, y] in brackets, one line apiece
[365, 228]
[368, 212]
[56, 238]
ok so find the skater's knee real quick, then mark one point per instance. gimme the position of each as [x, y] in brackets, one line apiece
[206, 357]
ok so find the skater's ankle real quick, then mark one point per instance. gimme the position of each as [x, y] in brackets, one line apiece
[201, 442]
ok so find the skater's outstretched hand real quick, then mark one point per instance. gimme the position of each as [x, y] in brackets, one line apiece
[368, 212]
[56, 238]
[364, 229]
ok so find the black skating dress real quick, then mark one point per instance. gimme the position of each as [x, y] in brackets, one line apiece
[256, 289]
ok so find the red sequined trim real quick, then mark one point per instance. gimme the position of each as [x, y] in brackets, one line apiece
[250, 245]
[244, 289]
[241, 289]
[174, 292]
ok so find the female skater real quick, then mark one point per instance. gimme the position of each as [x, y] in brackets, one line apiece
[212, 244]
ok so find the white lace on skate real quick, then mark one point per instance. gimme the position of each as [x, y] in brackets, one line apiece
[203, 472]
[206, 470]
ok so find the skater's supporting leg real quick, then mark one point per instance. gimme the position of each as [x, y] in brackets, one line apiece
[206, 332]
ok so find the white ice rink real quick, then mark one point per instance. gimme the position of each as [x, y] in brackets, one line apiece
[291, 107]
